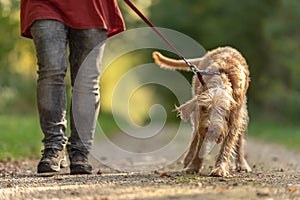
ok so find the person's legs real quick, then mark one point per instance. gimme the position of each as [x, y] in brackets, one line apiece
[86, 49]
[50, 40]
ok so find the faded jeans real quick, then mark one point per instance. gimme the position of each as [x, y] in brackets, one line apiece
[51, 39]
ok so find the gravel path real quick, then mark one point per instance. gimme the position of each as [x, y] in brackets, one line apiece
[276, 175]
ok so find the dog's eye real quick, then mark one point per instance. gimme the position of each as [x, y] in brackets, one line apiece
[227, 118]
[203, 109]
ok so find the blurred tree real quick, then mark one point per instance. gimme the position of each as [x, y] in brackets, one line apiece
[17, 62]
[266, 32]
[281, 33]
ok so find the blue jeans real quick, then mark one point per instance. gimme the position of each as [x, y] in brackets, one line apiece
[51, 39]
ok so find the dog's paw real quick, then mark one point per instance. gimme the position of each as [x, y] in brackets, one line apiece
[220, 172]
[189, 170]
[187, 160]
[243, 167]
[192, 168]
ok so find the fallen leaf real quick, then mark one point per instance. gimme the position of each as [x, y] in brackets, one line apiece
[222, 180]
[260, 175]
[262, 194]
[292, 190]
[165, 175]
[156, 172]
[99, 172]
[235, 184]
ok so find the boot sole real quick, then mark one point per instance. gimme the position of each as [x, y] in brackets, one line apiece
[47, 168]
[80, 169]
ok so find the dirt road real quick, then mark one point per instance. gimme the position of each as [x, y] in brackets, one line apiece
[276, 175]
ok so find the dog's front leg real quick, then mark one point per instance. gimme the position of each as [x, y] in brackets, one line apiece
[222, 164]
[241, 163]
[193, 146]
[195, 162]
[192, 150]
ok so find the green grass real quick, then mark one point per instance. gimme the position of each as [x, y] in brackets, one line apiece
[20, 136]
[277, 132]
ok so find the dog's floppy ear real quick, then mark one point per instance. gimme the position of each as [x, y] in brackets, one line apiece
[185, 110]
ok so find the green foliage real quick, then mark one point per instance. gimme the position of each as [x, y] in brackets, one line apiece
[8, 32]
[266, 32]
[17, 94]
[281, 33]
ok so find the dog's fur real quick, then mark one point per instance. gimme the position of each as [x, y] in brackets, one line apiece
[218, 109]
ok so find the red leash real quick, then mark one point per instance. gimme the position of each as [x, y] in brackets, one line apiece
[193, 68]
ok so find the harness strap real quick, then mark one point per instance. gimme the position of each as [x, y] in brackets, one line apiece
[195, 71]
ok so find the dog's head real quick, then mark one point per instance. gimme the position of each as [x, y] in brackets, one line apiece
[215, 104]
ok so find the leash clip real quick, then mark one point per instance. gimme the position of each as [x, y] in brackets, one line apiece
[209, 73]
[195, 70]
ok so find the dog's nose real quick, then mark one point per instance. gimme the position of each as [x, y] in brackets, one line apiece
[211, 130]
[214, 135]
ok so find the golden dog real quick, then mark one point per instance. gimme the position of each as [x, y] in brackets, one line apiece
[218, 110]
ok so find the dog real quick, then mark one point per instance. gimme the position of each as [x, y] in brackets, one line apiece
[218, 110]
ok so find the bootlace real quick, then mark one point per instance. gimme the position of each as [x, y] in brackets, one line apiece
[50, 153]
[79, 156]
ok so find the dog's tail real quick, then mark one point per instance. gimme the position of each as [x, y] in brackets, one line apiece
[170, 63]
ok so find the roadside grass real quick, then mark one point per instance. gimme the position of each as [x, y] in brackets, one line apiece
[20, 136]
[277, 132]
